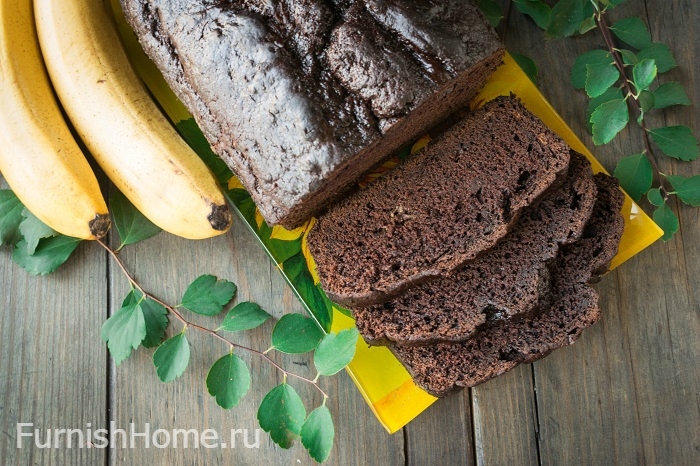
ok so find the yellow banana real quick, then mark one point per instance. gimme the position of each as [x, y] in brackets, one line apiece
[39, 157]
[126, 133]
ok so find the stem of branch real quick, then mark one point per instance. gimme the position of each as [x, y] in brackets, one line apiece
[175, 313]
[631, 101]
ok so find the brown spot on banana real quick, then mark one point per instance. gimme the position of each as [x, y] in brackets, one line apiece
[100, 225]
[220, 217]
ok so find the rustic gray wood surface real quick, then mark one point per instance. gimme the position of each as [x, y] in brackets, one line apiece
[627, 393]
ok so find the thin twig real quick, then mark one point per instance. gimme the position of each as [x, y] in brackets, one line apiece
[175, 313]
[607, 36]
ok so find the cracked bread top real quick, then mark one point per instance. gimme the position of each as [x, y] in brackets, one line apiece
[301, 97]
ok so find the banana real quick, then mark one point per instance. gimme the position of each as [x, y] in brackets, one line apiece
[125, 131]
[39, 157]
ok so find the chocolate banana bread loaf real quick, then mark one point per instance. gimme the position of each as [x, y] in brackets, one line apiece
[444, 206]
[302, 97]
[572, 306]
[503, 284]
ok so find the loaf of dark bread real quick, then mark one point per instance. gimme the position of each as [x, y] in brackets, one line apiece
[444, 368]
[444, 206]
[501, 285]
[302, 97]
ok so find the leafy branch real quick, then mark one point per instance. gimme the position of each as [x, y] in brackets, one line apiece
[142, 320]
[252, 320]
[618, 79]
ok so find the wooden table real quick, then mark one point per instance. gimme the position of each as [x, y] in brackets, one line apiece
[626, 393]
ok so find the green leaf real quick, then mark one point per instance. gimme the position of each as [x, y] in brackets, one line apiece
[609, 119]
[687, 189]
[491, 10]
[669, 94]
[172, 357]
[244, 316]
[635, 175]
[588, 24]
[632, 31]
[207, 295]
[295, 334]
[629, 57]
[237, 196]
[646, 102]
[317, 433]
[132, 298]
[282, 414]
[124, 331]
[662, 54]
[654, 196]
[611, 94]
[535, 9]
[34, 230]
[565, 19]
[676, 141]
[599, 78]
[247, 207]
[335, 351]
[295, 266]
[49, 254]
[579, 69]
[228, 380]
[644, 73]
[666, 219]
[281, 250]
[527, 64]
[131, 224]
[10, 217]
[155, 315]
[313, 296]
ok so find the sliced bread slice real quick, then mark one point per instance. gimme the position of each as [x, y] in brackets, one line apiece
[443, 207]
[443, 368]
[500, 285]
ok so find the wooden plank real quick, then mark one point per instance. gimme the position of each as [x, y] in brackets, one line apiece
[166, 265]
[52, 369]
[442, 434]
[667, 374]
[505, 419]
[626, 393]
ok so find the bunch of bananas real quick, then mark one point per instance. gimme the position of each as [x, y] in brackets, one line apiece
[70, 49]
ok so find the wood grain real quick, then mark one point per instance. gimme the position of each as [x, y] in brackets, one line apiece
[52, 366]
[505, 419]
[446, 427]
